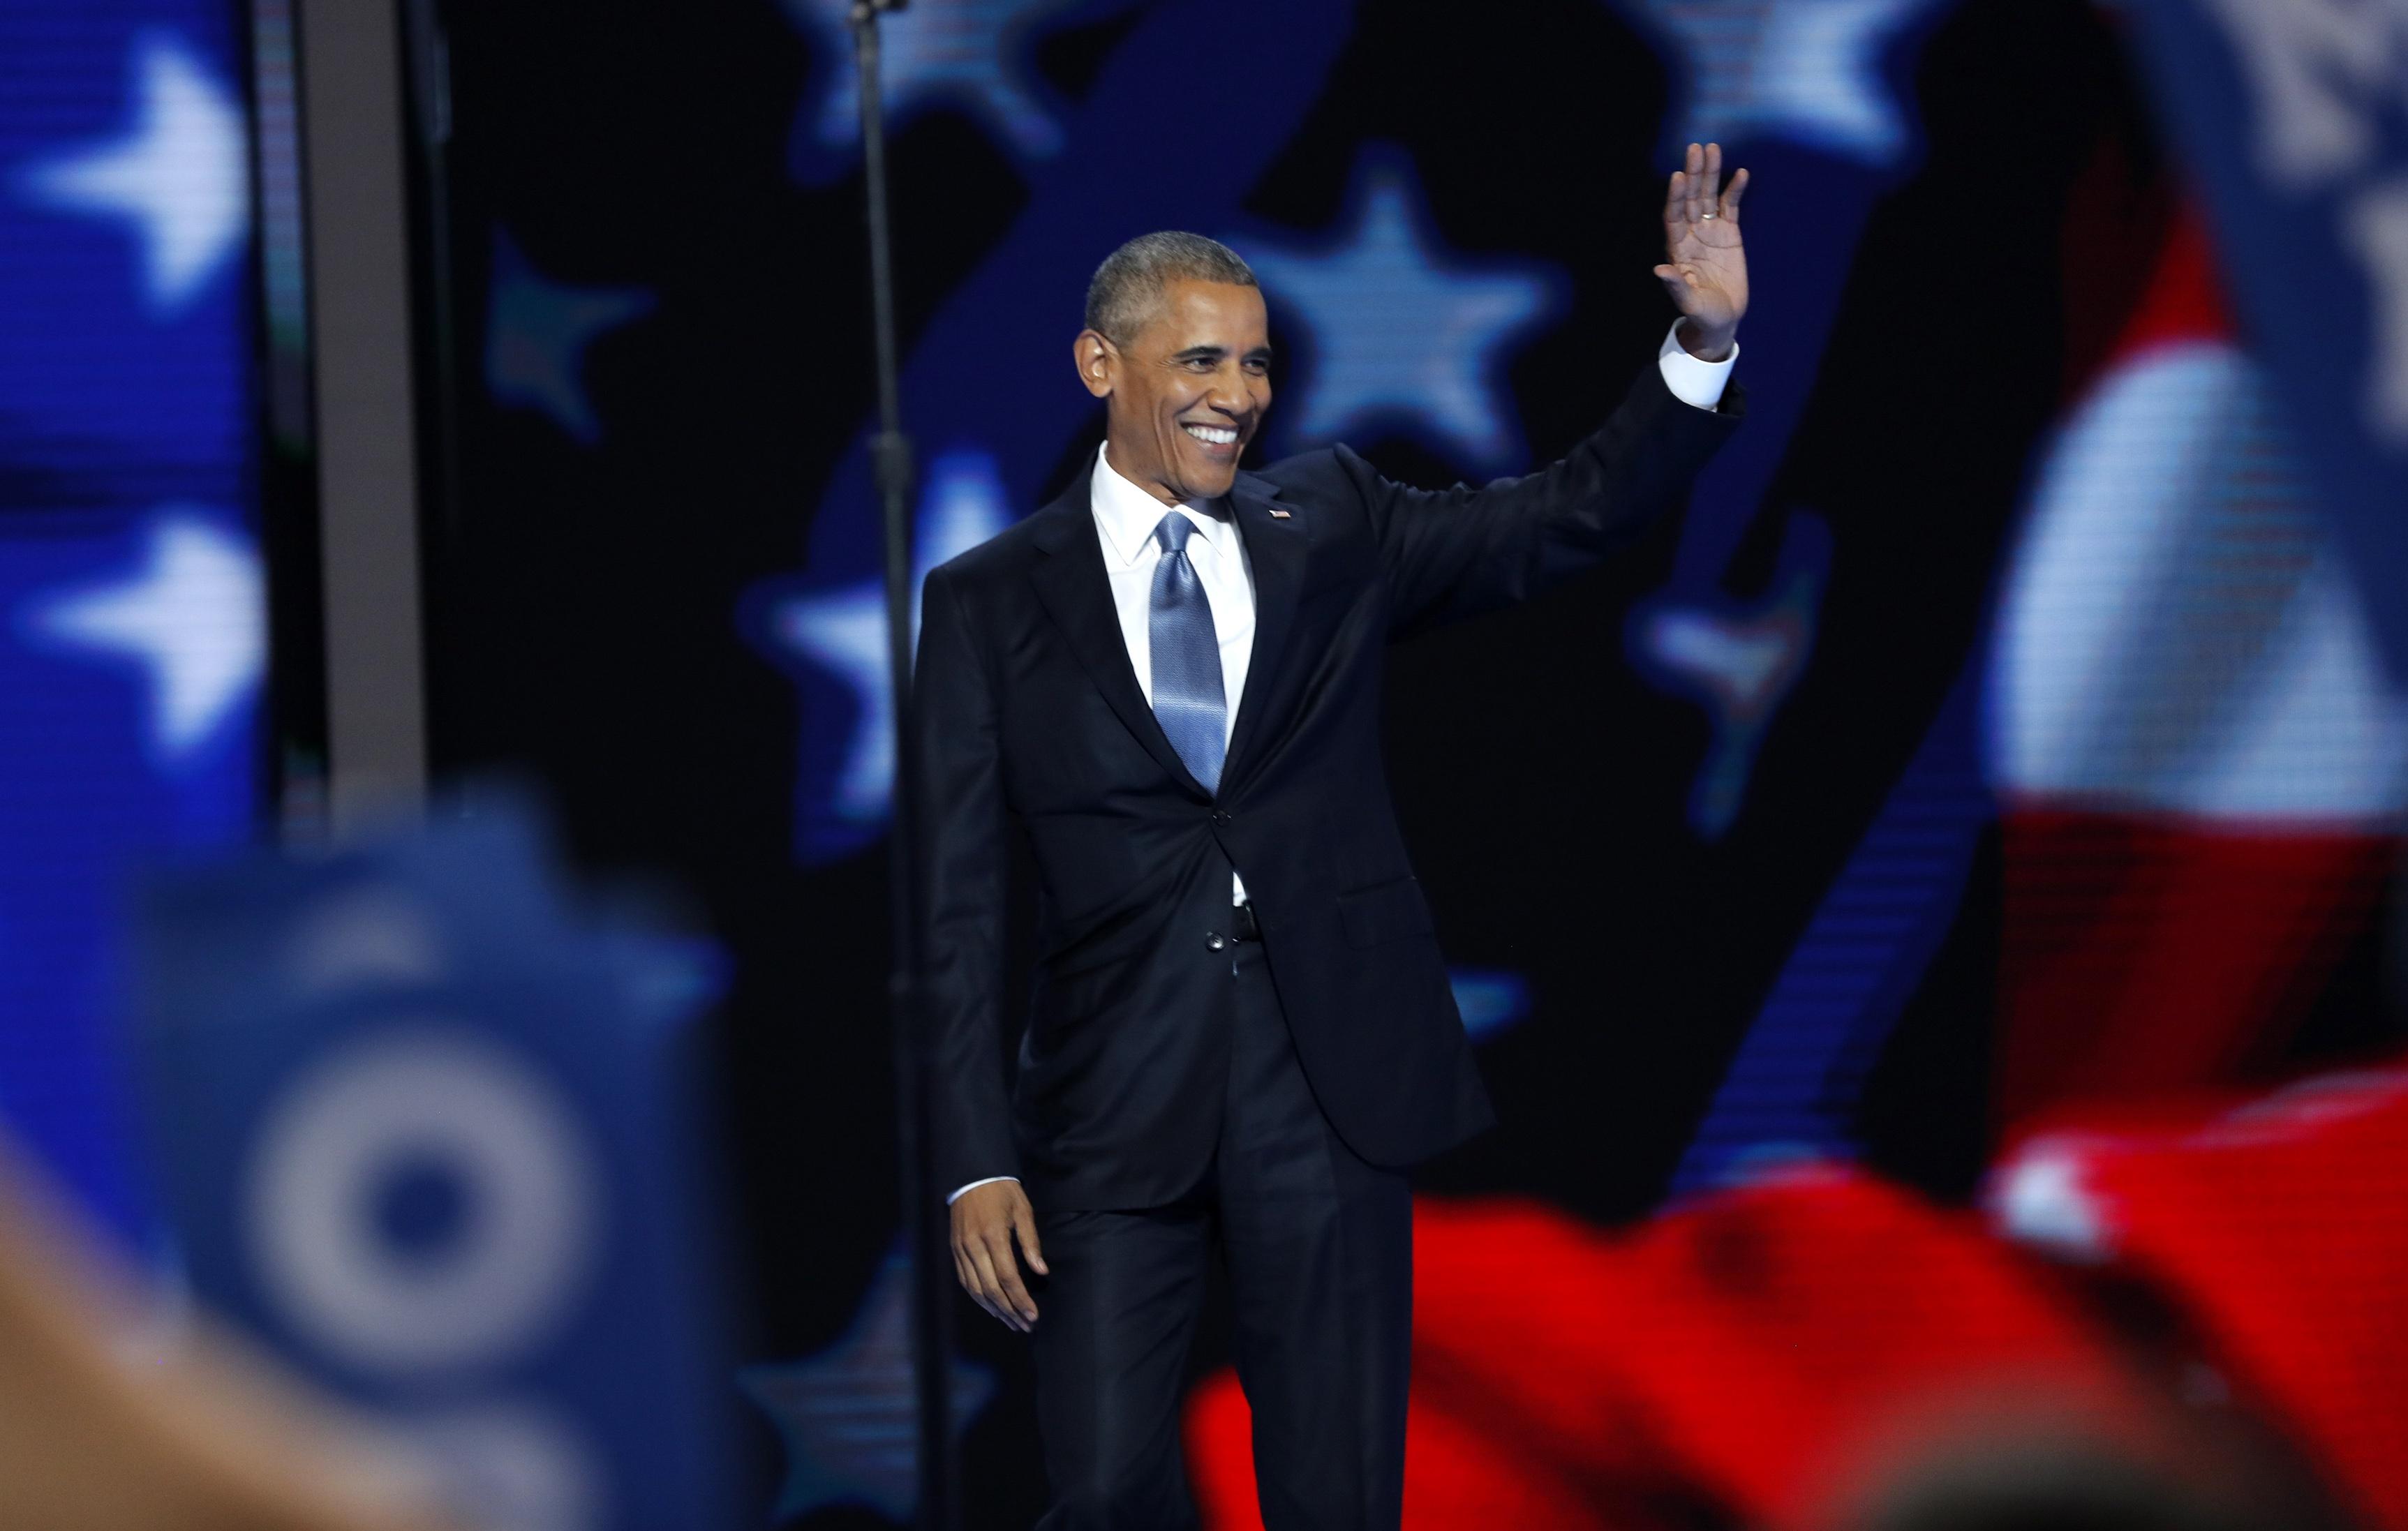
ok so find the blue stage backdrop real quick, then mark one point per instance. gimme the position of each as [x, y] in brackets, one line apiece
[132, 613]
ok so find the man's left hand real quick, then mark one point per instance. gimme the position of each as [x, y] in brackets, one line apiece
[1705, 266]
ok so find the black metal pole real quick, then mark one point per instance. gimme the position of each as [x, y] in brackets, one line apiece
[924, 1220]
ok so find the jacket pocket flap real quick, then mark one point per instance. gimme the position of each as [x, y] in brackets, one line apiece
[1384, 913]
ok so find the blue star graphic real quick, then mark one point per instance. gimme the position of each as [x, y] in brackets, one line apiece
[964, 54]
[193, 621]
[180, 177]
[536, 333]
[1398, 330]
[1805, 70]
[848, 1416]
[1740, 664]
[1489, 1000]
[840, 633]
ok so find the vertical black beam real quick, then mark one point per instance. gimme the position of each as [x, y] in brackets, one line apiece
[924, 1219]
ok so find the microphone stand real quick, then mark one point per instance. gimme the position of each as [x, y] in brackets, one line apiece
[927, 1223]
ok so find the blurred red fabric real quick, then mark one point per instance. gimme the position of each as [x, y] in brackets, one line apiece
[1760, 1355]
[1750, 1353]
[2279, 1231]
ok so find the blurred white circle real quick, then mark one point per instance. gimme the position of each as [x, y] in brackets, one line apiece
[423, 1201]
[514, 1466]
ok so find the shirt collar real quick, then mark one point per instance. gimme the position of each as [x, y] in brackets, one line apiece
[1129, 515]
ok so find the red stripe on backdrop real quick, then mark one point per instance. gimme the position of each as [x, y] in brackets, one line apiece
[2185, 299]
[2146, 955]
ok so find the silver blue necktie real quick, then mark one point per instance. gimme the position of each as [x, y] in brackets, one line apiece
[1188, 700]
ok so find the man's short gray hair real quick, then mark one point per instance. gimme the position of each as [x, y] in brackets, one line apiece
[1130, 283]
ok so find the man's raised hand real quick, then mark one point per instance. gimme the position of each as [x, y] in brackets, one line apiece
[986, 1219]
[1705, 266]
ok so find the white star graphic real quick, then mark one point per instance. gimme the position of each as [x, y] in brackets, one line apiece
[961, 52]
[1398, 330]
[195, 619]
[180, 177]
[843, 631]
[1806, 70]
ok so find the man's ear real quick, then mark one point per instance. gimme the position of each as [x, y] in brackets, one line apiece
[1093, 357]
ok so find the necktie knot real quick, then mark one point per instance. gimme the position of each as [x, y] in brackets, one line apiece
[1173, 530]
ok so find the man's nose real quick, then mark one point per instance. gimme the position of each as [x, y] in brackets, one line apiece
[1229, 394]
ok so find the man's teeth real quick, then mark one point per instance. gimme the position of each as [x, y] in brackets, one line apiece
[1219, 435]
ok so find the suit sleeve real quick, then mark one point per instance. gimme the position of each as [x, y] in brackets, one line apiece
[1454, 555]
[960, 871]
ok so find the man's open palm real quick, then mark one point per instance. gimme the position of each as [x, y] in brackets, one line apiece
[1705, 264]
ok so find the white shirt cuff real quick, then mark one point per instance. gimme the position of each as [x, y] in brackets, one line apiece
[1693, 381]
[975, 1184]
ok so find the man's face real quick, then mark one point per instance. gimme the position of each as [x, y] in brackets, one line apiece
[1187, 393]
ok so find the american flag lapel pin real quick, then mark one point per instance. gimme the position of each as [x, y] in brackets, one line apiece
[1278, 514]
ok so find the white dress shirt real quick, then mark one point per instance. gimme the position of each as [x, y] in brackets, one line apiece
[1126, 515]
[1125, 519]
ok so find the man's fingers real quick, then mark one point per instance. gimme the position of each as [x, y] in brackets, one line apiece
[1709, 192]
[972, 1282]
[1730, 197]
[1007, 1272]
[990, 1292]
[1675, 197]
[968, 1276]
[1693, 163]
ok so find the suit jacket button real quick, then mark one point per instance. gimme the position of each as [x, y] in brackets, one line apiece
[1221, 817]
[1214, 942]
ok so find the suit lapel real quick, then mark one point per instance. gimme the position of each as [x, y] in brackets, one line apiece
[1077, 594]
[1277, 544]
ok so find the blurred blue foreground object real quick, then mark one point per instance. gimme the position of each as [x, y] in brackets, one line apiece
[420, 1126]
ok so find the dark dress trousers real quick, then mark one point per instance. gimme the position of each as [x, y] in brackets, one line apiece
[1178, 1092]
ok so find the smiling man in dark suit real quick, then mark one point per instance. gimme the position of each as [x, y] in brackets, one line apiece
[1243, 1034]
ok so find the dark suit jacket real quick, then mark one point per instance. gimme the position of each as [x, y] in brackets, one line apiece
[1028, 712]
